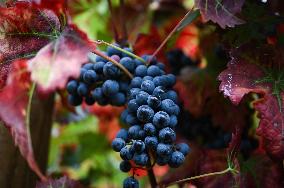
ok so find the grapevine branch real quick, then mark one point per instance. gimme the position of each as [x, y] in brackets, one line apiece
[114, 62]
[169, 36]
[229, 169]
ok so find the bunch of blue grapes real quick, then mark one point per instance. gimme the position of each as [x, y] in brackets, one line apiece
[101, 81]
[151, 114]
[152, 108]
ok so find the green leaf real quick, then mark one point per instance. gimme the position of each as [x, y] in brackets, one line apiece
[189, 19]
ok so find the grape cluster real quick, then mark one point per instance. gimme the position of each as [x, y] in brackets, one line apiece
[152, 108]
[101, 81]
[151, 113]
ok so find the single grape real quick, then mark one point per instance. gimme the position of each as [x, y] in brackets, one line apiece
[72, 87]
[183, 148]
[177, 158]
[117, 144]
[148, 86]
[90, 76]
[82, 89]
[161, 119]
[149, 129]
[99, 67]
[125, 153]
[164, 149]
[133, 131]
[130, 182]
[167, 135]
[111, 71]
[142, 97]
[139, 146]
[153, 70]
[125, 166]
[141, 159]
[145, 113]
[123, 134]
[128, 63]
[154, 102]
[151, 142]
[136, 82]
[110, 87]
[133, 105]
[141, 71]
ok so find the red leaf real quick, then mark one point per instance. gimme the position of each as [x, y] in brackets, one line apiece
[56, 5]
[63, 182]
[61, 59]
[147, 43]
[221, 12]
[24, 30]
[14, 100]
[271, 125]
[188, 41]
[240, 78]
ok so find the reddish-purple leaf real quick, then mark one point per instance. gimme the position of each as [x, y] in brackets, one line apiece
[63, 182]
[13, 101]
[61, 59]
[23, 31]
[271, 125]
[221, 12]
[241, 78]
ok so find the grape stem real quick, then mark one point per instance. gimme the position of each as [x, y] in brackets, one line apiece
[114, 62]
[229, 169]
[169, 36]
[98, 42]
[151, 175]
